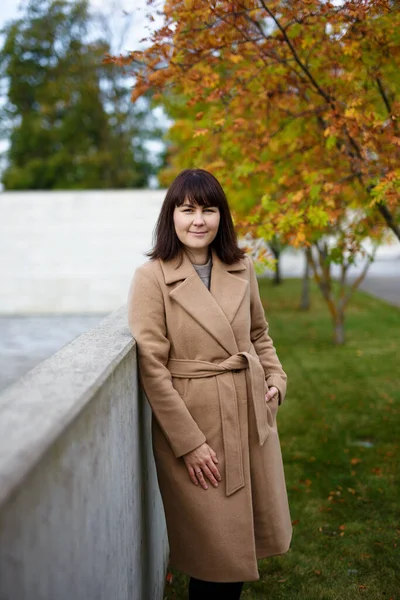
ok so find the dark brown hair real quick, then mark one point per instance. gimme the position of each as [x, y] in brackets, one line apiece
[201, 188]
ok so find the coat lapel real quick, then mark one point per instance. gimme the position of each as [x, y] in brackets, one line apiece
[214, 310]
[227, 288]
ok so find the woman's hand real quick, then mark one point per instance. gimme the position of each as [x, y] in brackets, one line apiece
[271, 393]
[200, 462]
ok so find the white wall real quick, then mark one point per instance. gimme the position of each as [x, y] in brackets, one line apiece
[72, 252]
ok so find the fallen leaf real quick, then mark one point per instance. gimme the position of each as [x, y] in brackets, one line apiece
[355, 461]
[306, 481]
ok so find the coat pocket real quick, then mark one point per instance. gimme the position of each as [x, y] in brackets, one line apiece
[272, 407]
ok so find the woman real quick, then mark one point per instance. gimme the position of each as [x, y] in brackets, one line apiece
[214, 382]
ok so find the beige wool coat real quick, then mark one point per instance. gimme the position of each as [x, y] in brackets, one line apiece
[205, 363]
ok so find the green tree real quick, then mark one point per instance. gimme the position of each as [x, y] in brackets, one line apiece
[62, 132]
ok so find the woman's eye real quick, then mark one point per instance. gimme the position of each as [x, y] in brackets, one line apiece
[189, 210]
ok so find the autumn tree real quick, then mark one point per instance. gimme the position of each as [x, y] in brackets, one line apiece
[293, 106]
[57, 119]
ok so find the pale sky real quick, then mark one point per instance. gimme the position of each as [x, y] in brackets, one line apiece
[137, 8]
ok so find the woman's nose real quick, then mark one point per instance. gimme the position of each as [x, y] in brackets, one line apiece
[198, 218]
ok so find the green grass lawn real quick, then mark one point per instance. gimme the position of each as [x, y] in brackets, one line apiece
[340, 432]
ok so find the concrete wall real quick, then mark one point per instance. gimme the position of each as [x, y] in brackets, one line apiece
[80, 511]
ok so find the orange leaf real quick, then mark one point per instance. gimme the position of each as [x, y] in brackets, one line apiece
[200, 132]
[376, 470]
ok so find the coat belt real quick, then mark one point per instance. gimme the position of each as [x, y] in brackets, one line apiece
[196, 369]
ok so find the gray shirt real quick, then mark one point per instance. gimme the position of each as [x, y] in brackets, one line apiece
[204, 272]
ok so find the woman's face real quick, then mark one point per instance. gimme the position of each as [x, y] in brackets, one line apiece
[196, 226]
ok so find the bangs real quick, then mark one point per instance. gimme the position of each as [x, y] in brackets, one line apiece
[197, 192]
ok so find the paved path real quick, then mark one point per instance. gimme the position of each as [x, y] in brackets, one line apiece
[386, 288]
[27, 341]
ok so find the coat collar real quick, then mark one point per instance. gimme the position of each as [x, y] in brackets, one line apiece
[213, 309]
[173, 271]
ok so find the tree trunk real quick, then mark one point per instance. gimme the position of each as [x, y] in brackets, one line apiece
[276, 248]
[305, 289]
[277, 275]
[338, 329]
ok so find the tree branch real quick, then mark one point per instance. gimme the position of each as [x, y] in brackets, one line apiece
[386, 101]
[296, 56]
[359, 279]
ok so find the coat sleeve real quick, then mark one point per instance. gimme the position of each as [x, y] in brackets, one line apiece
[146, 318]
[263, 344]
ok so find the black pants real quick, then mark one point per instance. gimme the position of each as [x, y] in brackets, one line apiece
[210, 590]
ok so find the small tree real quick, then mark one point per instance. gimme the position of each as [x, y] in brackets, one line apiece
[339, 243]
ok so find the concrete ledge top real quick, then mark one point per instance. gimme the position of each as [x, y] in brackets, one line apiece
[40, 405]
